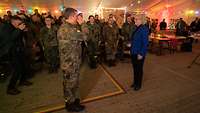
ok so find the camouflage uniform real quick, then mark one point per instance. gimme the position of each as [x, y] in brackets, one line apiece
[49, 41]
[93, 43]
[110, 35]
[84, 28]
[127, 30]
[70, 39]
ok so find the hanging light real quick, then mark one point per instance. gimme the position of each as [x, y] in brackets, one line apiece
[56, 11]
[132, 4]
[36, 7]
[197, 12]
[191, 11]
[62, 7]
[7, 10]
[30, 10]
[44, 11]
[15, 10]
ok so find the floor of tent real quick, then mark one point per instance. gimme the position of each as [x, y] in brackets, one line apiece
[168, 87]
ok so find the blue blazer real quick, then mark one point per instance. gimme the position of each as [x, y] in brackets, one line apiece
[139, 41]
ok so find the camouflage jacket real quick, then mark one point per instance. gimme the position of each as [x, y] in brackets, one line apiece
[70, 38]
[127, 30]
[94, 32]
[48, 37]
[111, 34]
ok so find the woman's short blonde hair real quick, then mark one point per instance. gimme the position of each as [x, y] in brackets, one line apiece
[141, 17]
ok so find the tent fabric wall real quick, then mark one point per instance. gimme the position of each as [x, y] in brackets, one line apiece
[152, 7]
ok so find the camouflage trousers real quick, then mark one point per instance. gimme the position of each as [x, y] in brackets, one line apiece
[110, 52]
[71, 85]
[92, 53]
[52, 56]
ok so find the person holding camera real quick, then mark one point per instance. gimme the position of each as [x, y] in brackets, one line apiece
[11, 35]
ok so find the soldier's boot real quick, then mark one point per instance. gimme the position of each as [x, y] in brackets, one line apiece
[77, 103]
[93, 62]
[109, 63]
[13, 91]
[25, 83]
[93, 65]
[73, 107]
[113, 62]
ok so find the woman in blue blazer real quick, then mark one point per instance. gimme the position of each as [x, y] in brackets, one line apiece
[139, 44]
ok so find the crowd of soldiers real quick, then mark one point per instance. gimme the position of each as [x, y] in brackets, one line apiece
[101, 34]
[104, 42]
[104, 37]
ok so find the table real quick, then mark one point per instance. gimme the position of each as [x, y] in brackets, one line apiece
[195, 35]
[171, 40]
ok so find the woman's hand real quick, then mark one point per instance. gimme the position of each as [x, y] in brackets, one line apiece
[139, 57]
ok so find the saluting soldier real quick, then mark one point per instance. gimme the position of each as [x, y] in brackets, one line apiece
[70, 39]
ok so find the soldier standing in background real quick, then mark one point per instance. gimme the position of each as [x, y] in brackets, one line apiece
[128, 28]
[83, 28]
[48, 37]
[111, 34]
[35, 26]
[70, 39]
[96, 18]
[93, 42]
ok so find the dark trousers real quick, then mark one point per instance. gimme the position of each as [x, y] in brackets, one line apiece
[138, 70]
[19, 68]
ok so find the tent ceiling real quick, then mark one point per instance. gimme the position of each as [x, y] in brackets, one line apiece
[90, 5]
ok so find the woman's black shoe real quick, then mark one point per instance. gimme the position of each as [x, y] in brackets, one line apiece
[136, 88]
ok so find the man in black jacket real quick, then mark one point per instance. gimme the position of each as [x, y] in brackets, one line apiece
[194, 25]
[163, 25]
[11, 42]
[181, 28]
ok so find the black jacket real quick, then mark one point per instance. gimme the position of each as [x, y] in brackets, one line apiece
[9, 38]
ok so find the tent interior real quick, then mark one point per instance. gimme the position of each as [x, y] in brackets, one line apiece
[169, 87]
[168, 9]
